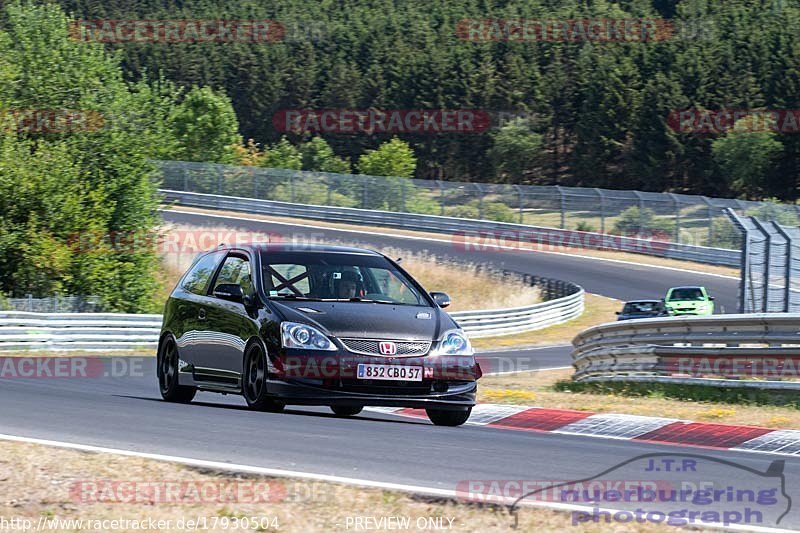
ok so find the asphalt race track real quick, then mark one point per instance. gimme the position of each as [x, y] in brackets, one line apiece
[126, 412]
[623, 281]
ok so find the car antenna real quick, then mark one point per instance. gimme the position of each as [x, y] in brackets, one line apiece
[398, 260]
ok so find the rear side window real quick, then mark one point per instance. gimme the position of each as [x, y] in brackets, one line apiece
[196, 280]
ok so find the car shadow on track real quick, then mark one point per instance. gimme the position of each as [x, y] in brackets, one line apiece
[288, 411]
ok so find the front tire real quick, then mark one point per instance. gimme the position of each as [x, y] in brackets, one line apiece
[168, 382]
[346, 410]
[441, 417]
[254, 382]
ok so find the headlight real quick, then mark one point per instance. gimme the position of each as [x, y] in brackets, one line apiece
[294, 335]
[454, 342]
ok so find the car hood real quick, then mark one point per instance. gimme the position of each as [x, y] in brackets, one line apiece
[368, 320]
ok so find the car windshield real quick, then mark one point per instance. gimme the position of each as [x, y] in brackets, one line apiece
[641, 307]
[336, 277]
[687, 295]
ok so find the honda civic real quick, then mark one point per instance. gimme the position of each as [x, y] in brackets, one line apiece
[314, 325]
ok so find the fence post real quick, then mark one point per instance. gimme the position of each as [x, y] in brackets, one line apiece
[767, 261]
[787, 293]
[641, 213]
[441, 196]
[480, 200]
[520, 200]
[745, 257]
[563, 204]
[602, 209]
[677, 205]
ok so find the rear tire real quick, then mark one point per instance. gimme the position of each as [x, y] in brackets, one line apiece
[168, 382]
[254, 382]
[346, 410]
[441, 417]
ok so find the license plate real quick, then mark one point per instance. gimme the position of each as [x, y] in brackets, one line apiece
[390, 372]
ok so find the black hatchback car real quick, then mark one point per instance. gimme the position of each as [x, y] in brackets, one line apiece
[316, 325]
[644, 309]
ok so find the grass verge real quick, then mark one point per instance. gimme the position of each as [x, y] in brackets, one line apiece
[59, 484]
[554, 389]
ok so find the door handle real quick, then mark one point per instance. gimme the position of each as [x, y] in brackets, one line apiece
[201, 314]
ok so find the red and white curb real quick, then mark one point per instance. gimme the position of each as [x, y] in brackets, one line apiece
[626, 427]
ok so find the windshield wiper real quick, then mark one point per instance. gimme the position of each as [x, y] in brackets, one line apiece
[294, 297]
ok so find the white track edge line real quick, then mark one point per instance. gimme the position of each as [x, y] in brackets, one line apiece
[428, 491]
[432, 239]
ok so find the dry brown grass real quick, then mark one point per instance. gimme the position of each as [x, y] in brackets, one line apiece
[36, 482]
[536, 389]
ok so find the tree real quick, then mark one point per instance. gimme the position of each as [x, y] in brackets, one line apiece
[516, 150]
[746, 160]
[283, 154]
[318, 155]
[396, 160]
[70, 192]
[206, 127]
[392, 158]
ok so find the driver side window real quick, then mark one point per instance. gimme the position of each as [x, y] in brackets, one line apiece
[236, 270]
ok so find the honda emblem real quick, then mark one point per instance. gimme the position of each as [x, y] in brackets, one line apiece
[388, 348]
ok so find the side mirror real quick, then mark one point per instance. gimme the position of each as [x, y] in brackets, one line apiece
[230, 292]
[441, 299]
[618, 313]
[711, 298]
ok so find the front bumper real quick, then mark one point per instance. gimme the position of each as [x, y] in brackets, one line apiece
[301, 392]
[448, 382]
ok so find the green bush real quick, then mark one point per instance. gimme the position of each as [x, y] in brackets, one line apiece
[632, 221]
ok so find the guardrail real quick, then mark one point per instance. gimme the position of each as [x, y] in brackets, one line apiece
[468, 233]
[21, 331]
[759, 351]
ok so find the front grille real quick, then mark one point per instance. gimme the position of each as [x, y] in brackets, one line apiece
[372, 347]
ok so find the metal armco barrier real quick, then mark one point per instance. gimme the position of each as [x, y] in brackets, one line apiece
[467, 233]
[21, 330]
[108, 331]
[750, 351]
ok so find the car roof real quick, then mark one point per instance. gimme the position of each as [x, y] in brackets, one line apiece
[688, 287]
[299, 248]
[644, 302]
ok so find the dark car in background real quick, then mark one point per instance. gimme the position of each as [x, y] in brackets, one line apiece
[643, 309]
[317, 325]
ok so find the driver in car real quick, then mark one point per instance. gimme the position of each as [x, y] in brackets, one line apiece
[348, 285]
